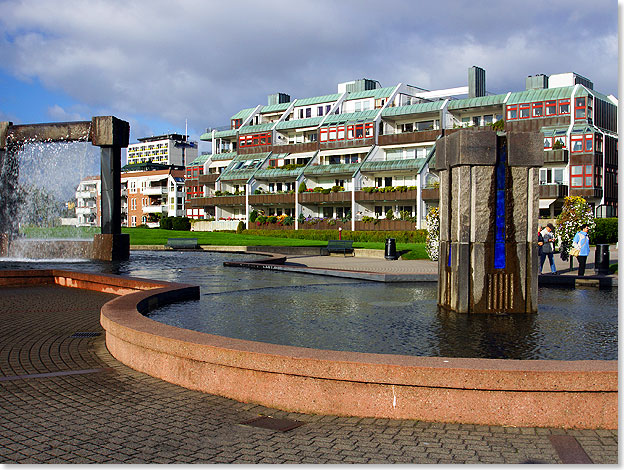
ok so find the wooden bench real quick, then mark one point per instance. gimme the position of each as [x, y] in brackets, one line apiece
[182, 243]
[338, 246]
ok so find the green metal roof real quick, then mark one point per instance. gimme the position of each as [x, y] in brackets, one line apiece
[231, 174]
[298, 123]
[490, 100]
[376, 93]
[219, 157]
[406, 164]
[267, 126]
[226, 133]
[529, 96]
[351, 117]
[274, 108]
[318, 100]
[278, 172]
[243, 113]
[345, 168]
[200, 160]
[413, 109]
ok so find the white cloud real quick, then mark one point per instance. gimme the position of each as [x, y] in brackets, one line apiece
[206, 60]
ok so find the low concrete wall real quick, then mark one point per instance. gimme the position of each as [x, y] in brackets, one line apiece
[211, 226]
[568, 394]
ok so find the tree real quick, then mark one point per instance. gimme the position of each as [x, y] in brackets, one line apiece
[575, 213]
[433, 234]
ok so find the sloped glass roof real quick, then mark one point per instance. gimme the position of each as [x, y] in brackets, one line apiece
[243, 113]
[529, 96]
[405, 164]
[376, 93]
[267, 126]
[477, 102]
[351, 117]
[345, 168]
[298, 123]
[223, 156]
[413, 109]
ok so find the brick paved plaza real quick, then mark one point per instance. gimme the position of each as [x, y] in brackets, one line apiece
[100, 411]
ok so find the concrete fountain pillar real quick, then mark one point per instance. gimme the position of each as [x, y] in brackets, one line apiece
[111, 135]
[489, 208]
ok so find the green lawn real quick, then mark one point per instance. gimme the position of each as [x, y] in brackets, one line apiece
[156, 236]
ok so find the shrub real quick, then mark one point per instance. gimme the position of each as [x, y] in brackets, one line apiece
[180, 223]
[606, 231]
[389, 215]
[253, 215]
[336, 189]
[401, 236]
[166, 223]
[240, 227]
[326, 190]
[261, 219]
[575, 213]
[272, 219]
[302, 187]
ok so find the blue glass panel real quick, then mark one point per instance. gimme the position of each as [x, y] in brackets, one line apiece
[501, 186]
[499, 255]
[449, 258]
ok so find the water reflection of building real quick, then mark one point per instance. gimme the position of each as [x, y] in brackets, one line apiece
[366, 150]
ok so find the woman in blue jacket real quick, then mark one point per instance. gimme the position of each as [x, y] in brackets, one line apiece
[581, 239]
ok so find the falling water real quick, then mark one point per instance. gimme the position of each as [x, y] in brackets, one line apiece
[38, 181]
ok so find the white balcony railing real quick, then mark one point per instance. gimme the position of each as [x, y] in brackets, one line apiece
[86, 194]
[155, 191]
[86, 210]
[155, 209]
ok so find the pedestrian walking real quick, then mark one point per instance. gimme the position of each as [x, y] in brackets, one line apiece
[548, 248]
[581, 241]
[540, 242]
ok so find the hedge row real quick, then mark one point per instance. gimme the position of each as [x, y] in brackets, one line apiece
[175, 223]
[606, 231]
[401, 236]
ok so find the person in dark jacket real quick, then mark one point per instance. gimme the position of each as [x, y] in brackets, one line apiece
[548, 248]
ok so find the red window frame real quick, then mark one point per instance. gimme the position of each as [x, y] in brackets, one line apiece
[548, 143]
[236, 123]
[359, 128]
[340, 129]
[524, 107]
[511, 109]
[580, 108]
[369, 130]
[589, 142]
[576, 143]
[552, 105]
[253, 140]
[583, 174]
[563, 103]
[324, 133]
[350, 132]
[539, 108]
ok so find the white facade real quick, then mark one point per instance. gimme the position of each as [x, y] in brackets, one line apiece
[171, 149]
[88, 202]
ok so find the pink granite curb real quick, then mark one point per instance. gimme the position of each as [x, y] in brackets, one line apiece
[567, 394]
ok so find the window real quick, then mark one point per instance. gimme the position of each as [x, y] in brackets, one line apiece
[369, 129]
[589, 142]
[301, 113]
[350, 132]
[308, 112]
[551, 108]
[561, 140]
[319, 111]
[378, 211]
[359, 131]
[340, 134]
[409, 127]
[548, 142]
[328, 212]
[580, 111]
[476, 120]
[512, 112]
[576, 142]
[254, 140]
[524, 110]
[236, 123]
[133, 219]
[327, 108]
[487, 119]
[564, 106]
[581, 176]
[538, 109]
[557, 175]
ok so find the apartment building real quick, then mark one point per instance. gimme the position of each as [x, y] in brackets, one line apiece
[169, 149]
[150, 191]
[88, 194]
[368, 151]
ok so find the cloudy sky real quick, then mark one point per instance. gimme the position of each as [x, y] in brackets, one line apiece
[158, 63]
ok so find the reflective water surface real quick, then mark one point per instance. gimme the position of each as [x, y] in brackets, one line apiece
[364, 316]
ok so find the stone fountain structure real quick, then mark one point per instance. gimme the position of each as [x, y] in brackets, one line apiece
[489, 208]
[107, 132]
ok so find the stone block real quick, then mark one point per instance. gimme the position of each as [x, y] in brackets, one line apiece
[517, 219]
[483, 203]
[525, 149]
[108, 131]
[440, 154]
[111, 246]
[461, 190]
[445, 230]
[4, 130]
[471, 147]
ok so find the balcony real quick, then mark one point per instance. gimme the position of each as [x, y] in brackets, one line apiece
[156, 209]
[552, 191]
[296, 148]
[430, 194]
[209, 178]
[345, 144]
[200, 202]
[312, 197]
[256, 149]
[86, 194]
[259, 199]
[86, 210]
[409, 137]
[363, 196]
[154, 191]
[556, 156]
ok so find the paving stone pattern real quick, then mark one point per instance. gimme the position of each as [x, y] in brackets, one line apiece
[117, 415]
